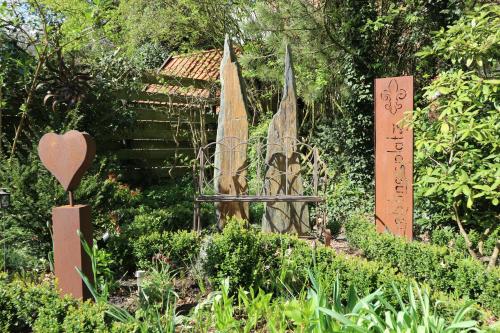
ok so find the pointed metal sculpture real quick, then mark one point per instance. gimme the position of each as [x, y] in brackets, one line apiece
[232, 136]
[283, 164]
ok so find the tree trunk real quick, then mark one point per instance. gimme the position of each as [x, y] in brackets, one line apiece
[494, 256]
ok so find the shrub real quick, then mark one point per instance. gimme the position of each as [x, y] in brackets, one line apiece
[457, 151]
[7, 309]
[181, 248]
[445, 269]
[236, 254]
[21, 301]
[87, 317]
[280, 264]
[165, 219]
[51, 316]
[28, 297]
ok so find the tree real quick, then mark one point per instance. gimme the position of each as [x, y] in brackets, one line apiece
[457, 146]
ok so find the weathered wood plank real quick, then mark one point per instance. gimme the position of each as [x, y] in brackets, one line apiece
[232, 135]
[155, 133]
[109, 145]
[160, 78]
[156, 172]
[157, 144]
[163, 163]
[154, 154]
[185, 115]
[283, 161]
[136, 96]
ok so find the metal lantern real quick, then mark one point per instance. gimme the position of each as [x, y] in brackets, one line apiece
[4, 198]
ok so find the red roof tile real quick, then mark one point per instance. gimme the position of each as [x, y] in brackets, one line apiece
[202, 66]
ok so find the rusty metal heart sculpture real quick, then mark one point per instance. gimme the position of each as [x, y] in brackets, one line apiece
[67, 156]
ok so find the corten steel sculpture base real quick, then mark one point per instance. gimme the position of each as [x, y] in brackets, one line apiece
[68, 251]
[394, 156]
[67, 157]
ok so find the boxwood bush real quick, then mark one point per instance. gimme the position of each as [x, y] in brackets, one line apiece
[443, 268]
[178, 248]
[280, 264]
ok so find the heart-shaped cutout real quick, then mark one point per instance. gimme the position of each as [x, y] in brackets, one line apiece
[67, 156]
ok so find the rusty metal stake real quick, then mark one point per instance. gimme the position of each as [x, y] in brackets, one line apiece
[70, 196]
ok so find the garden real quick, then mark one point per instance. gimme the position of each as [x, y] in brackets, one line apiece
[176, 236]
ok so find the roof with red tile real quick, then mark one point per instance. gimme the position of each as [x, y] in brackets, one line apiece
[200, 66]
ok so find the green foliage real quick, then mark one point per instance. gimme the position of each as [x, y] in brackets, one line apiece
[147, 221]
[446, 270]
[7, 309]
[23, 299]
[234, 253]
[280, 265]
[316, 310]
[343, 142]
[178, 249]
[472, 41]
[447, 236]
[51, 316]
[87, 317]
[457, 154]
[457, 150]
[157, 287]
[169, 22]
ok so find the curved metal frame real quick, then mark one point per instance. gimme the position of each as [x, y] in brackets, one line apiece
[313, 172]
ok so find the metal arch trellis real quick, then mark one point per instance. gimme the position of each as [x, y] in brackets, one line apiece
[254, 173]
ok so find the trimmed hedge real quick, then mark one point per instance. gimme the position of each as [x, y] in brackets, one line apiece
[35, 305]
[444, 269]
[272, 261]
[279, 263]
[178, 248]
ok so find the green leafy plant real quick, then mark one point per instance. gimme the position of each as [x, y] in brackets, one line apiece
[457, 154]
[86, 317]
[175, 248]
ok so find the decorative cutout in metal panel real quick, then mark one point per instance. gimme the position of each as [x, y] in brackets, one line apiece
[394, 156]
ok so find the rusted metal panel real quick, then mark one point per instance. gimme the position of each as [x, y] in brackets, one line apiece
[259, 198]
[283, 161]
[67, 156]
[232, 135]
[394, 156]
[68, 251]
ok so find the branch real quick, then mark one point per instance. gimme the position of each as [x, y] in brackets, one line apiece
[468, 243]
[494, 256]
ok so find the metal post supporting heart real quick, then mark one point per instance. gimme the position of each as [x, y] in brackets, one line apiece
[67, 157]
